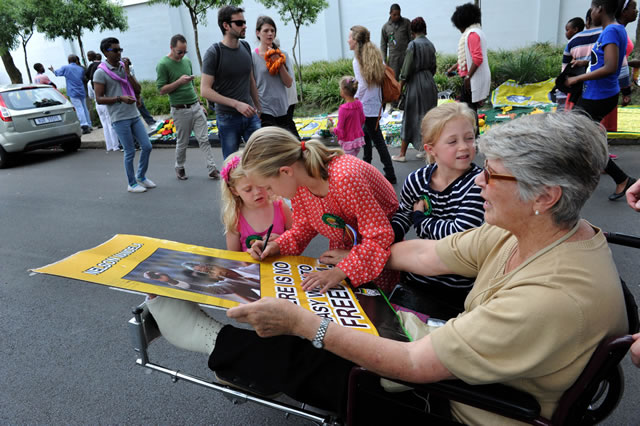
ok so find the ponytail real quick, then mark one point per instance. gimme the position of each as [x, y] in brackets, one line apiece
[270, 148]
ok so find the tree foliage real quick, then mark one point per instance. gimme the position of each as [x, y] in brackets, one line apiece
[70, 18]
[198, 13]
[27, 13]
[298, 12]
[8, 40]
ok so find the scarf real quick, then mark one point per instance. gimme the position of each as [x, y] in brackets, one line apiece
[462, 56]
[127, 90]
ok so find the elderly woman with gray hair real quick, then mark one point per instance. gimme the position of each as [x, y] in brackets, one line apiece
[546, 289]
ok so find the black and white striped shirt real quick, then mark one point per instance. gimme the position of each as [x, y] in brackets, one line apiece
[457, 208]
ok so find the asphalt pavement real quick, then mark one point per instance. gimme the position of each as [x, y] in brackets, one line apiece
[64, 344]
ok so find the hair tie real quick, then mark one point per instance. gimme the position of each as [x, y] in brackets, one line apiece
[626, 3]
[302, 147]
[228, 168]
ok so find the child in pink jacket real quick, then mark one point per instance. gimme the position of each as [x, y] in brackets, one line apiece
[350, 118]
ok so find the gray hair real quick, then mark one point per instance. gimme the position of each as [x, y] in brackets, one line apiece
[568, 150]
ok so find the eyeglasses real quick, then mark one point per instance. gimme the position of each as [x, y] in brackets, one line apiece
[239, 22]
[117, 50]
[181, 52]
[488, 175]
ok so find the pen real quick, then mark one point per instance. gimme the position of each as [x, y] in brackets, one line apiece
[266, 240]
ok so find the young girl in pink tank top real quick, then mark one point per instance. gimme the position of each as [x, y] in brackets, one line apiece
[248, 211]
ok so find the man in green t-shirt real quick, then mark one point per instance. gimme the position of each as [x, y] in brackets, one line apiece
[175, 77]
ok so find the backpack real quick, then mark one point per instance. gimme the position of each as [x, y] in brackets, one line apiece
[390, 86]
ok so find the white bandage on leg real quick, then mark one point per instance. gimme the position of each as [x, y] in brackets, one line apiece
[184, 324]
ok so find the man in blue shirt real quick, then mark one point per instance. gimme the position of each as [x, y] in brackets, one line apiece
[73, 74]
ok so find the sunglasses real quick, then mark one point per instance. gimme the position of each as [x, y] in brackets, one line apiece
[117, 50]
[488, 175]
[239, 22]
[181, 52]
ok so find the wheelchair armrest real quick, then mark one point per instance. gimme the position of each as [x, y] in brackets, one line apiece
[143, 330]
[497, 398]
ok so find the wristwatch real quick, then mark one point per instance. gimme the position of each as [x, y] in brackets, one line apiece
[318, 341]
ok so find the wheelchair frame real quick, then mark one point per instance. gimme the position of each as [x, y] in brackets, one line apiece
[502, 399]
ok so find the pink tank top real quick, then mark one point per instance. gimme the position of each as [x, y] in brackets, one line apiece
[247, 233]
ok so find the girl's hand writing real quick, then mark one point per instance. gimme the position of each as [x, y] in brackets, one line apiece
[259, 252]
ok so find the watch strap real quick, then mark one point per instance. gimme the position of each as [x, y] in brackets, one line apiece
[318, 341]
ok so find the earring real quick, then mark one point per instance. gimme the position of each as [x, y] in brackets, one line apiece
[537, 212]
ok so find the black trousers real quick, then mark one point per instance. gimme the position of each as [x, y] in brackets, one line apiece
[597, 110]
[373, 134]
[284, 122]
[317, 377]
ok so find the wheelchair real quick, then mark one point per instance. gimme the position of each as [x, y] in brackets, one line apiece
[592, 398]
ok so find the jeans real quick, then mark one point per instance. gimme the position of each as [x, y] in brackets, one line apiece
[185, 120]
[146, 115]
[81, 111]
[127, 130]
[232, 127]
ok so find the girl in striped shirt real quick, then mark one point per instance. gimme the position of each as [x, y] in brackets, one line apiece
[438, 200]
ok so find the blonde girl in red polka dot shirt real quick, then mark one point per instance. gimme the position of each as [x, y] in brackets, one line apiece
[328, 190]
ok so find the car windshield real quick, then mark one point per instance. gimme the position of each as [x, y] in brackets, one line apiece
[32, 97]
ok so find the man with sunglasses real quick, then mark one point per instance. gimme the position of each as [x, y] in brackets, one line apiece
[119, 90]
[175, 77]
[228, 81]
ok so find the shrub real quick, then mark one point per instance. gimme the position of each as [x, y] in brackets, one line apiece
[537, 62]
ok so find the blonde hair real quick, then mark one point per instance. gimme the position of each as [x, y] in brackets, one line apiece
[434, 121]
[231, 203]
[349, 85]
[270, 148]
[368, 55]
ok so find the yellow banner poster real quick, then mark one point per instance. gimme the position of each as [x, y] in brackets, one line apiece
[217, 277]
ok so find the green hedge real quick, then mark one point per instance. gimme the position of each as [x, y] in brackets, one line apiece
[537, 62]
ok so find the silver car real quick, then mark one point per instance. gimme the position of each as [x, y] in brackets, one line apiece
[35, 116]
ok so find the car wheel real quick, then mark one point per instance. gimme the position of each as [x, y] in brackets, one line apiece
[4, 158]
[72, 145]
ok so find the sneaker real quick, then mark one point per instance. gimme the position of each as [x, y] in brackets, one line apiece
[421, 154]
[180, 173]
[147, 183]
[136, 188]
[85, 130]
[399, 158]
[214, 174]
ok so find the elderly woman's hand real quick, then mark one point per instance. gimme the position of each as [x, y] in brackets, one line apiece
[323, 279]
[633, 196]
[635, 350]
[268, 317]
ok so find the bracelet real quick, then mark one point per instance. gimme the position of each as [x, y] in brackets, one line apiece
[118, 100]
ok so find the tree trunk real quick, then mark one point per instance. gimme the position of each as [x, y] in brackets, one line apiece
[84, 60]
[26, 62]
[14, 73]
[295, 59]
[194, 23]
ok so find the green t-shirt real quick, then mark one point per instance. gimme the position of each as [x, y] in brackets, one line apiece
[169, 71]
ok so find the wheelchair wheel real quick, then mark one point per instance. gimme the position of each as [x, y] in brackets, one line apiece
[606, 398]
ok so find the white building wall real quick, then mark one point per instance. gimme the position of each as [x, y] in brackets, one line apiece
[507, 24]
